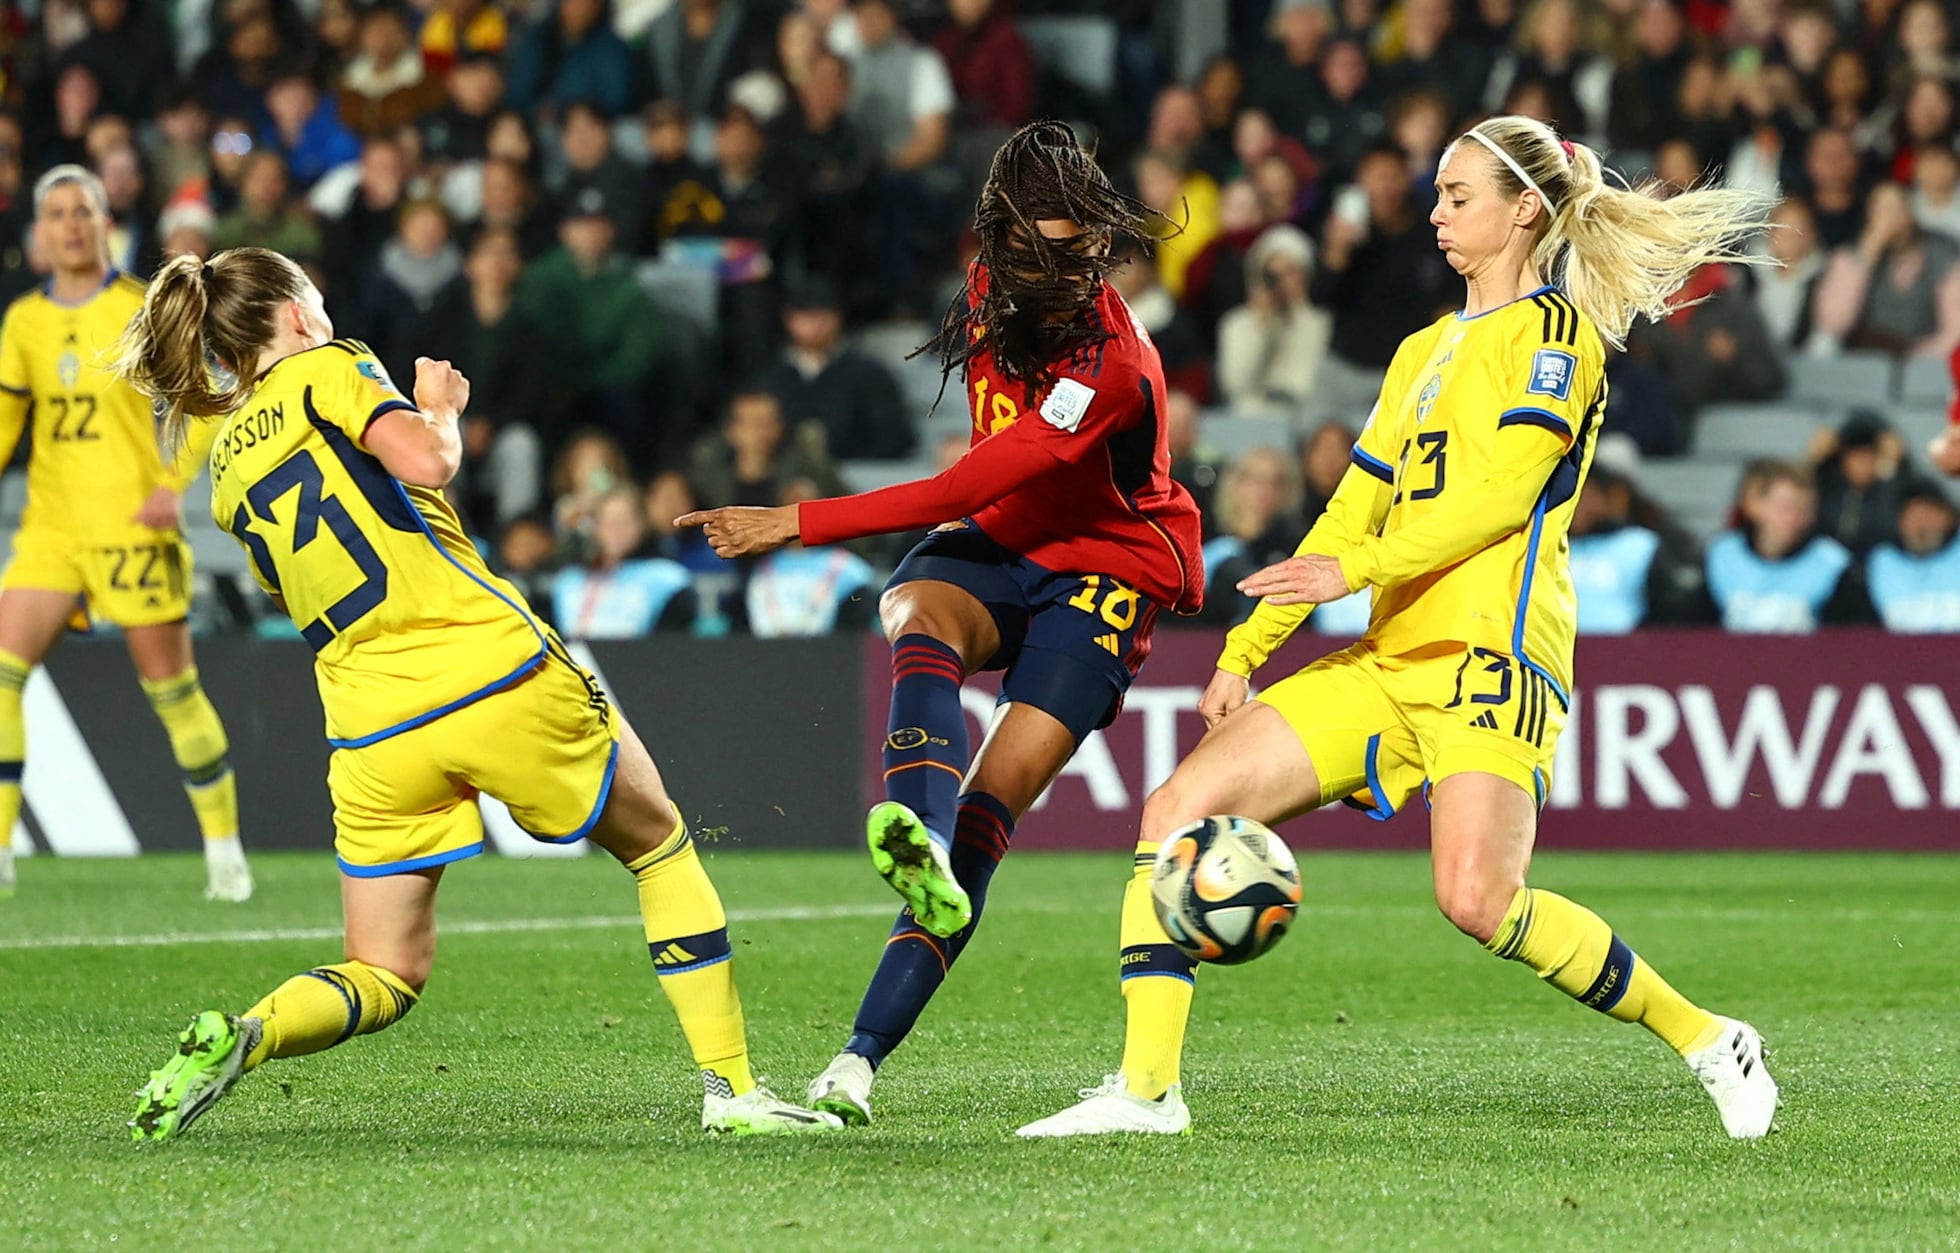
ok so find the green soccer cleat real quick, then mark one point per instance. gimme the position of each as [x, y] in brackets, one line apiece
[210, 1057]
[760, 1112]
[910, 860]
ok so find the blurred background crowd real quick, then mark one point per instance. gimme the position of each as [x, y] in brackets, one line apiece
[684, 248]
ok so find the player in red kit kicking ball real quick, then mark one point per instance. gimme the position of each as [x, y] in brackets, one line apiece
[1061, 537]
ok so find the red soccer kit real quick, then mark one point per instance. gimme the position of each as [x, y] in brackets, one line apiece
[1075, 477]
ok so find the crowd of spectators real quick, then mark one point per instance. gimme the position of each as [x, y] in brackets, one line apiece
[523, 186]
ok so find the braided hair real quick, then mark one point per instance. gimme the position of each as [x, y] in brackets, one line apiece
[1040, 173]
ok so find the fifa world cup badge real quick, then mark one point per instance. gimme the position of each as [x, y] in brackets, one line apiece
[70, 369]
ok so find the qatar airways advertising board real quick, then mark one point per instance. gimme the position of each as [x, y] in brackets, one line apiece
[1677, 740]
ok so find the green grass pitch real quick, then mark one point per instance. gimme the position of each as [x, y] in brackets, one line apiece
[1376, 1082]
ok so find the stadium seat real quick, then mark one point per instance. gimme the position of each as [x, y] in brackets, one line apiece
[1925, 383]
[1858, 378]
[893, 342]
[13, 497]
[683, 291]
[865, 476]
[1917, 426]
[1740, 432]
[1081, 49]
[1231, 435]
[214, 551]
[1697, 494]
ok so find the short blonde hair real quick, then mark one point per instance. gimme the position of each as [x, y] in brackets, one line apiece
[1615, 251]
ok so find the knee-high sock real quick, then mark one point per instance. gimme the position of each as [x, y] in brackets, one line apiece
[925, 741]
[13, 743]
[198, 740]
[687, 934]
[328, 1005]
[1574, 950]
[1158, 980]
[915, 961]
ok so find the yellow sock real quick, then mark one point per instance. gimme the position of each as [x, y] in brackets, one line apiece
[1157, 987]
[328, 1005]
[1574, 950]
[198, 740]
[13, 741]
[687, 934]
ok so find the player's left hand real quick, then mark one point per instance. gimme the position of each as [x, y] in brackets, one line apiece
[1944, 451]
[163, 510]
[743, 530]
[1309, 580]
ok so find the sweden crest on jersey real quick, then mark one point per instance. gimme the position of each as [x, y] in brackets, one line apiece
[1427, 400]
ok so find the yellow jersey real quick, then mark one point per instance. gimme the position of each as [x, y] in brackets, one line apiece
[1460, 496]
[406, 622]
[96, 455]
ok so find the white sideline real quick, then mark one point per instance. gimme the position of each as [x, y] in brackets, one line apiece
[494, 926]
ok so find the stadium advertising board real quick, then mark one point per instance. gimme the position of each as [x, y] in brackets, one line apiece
[1679, 740]
[1847, 739]
[758, 742]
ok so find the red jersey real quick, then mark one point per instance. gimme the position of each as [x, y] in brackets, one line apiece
[1075, 476]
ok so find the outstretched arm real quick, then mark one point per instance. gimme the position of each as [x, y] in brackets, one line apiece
[992, 469]
[1359, 504]
[1072, 421]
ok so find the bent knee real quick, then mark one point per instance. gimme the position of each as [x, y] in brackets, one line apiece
[1474, 906]
[1171, 806]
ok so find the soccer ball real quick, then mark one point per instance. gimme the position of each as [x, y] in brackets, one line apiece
[1225, 889]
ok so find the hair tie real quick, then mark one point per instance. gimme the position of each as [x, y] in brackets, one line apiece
[205, 272]
[1565, 146]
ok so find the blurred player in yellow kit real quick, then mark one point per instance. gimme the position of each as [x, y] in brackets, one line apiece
[1455, 512]
[439, 683]
[103, 510]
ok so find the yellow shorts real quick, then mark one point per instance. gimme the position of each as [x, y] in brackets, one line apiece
[546, 747]
[143, 579]
[1379, 730]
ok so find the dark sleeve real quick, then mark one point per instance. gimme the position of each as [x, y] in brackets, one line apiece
[886, 429]
[1851, 603]
[1677, 586]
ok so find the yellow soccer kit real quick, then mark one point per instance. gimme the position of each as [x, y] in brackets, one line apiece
[437, 679]
[95, 461]
[1455, 511]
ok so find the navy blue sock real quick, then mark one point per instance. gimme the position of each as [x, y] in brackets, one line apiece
[915, 961]
[925, 747]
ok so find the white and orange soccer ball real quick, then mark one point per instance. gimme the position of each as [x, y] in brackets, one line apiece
[1225, 889]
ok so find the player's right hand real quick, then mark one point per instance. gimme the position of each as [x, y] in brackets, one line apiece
[440, 387]
[1225, 692]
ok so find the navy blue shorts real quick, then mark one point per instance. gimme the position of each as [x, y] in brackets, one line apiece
[1071, 644]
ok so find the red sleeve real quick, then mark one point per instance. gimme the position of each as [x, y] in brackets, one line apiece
[1072, 421]
[1953, 406]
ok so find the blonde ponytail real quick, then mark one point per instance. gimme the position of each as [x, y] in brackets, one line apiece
[1617, 252]
[200, 318]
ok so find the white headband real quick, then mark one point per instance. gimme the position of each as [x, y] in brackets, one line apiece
[1509, 161]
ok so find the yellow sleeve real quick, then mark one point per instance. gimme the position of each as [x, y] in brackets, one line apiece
[1541, 390]
[1359, 505]
[1468, 521]
[351, 387]
[194, 455]
[16, 394]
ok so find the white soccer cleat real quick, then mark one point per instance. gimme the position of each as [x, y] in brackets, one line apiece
[230, 879]
[760, 1112]
[1113, 1110]
[843, 1090]
[1732, 1070]
[6, 868]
